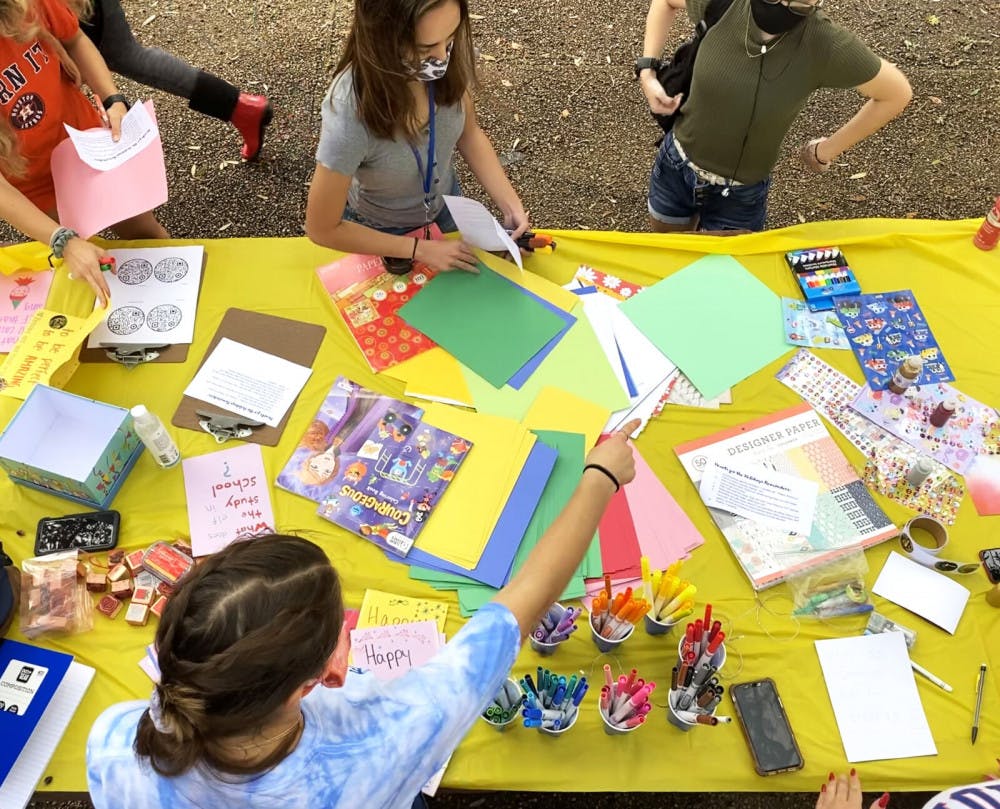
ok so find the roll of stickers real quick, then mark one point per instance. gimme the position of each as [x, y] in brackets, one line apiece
[928, 557]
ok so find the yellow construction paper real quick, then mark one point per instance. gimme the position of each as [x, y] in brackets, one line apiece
[541, 286]
[46, 351]
[561, 411]
[467, 513]
[379, 608]
[435, 375]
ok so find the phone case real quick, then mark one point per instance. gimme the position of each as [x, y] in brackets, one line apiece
[91, 531]
[735, 694]
[991, 564]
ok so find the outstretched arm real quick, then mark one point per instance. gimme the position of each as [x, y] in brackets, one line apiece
[659, 20]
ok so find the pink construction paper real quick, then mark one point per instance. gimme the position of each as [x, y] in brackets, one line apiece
[227, 497]
[619, 544]
[21, 294]
[89, 200]
[390, 651]
[983, 483]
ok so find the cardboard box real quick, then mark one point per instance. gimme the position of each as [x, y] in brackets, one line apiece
[70, 446]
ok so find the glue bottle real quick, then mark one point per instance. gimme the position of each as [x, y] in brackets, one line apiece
[920, 471]
[907, 373]
[154, 435]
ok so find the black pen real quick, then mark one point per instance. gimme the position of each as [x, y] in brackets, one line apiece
[979, 701]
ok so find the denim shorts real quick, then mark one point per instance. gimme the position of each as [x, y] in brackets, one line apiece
[443, 220]
[676, 194]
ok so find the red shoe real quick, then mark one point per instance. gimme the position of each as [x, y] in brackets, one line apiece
[251, 117]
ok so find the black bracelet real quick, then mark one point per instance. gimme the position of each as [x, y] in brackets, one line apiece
[413, 255]
[607, 472]
[111, 100]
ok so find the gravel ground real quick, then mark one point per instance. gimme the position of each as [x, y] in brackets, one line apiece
[558, 99]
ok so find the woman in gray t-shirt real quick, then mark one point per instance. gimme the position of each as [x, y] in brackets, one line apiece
[398, 108]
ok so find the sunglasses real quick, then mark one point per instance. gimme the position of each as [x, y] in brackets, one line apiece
[801, 7]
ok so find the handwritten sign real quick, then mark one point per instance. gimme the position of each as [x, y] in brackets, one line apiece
[21, 294]
[49, 343]
[379, 608]
[391, 650]
[227, 497]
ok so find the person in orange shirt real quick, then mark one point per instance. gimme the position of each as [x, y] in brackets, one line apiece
[43, 58]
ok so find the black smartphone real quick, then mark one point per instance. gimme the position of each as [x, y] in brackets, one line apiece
[765, 727]
[91, 531]
[991, 564]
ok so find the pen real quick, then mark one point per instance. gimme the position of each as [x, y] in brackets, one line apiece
[979, 701]
[925, 673]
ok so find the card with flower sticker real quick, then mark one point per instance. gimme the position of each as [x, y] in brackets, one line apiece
[886, 328]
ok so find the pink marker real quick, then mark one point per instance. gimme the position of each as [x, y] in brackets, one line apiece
[605, 698]
[608, 679]
[630, 681]
[621, 685]
[636, 686]
[632, 721]
[630, 705]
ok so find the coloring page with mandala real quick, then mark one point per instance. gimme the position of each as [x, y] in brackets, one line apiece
[154, 297]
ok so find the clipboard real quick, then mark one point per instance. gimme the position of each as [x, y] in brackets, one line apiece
[290, 340]
[171, 353]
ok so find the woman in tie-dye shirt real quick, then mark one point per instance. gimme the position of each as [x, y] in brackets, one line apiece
[238, 719]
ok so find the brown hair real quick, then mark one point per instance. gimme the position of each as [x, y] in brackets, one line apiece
[378, 47]
[20, 20]
[245, 629]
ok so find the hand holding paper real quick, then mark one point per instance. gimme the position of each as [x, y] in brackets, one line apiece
[98, 148]
[480, 229]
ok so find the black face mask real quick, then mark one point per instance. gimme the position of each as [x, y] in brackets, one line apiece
[774, 18]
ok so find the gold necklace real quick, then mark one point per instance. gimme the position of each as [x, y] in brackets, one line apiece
[763, 48]
[269, 739]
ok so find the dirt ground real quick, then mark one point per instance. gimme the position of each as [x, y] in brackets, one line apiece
[558, 99]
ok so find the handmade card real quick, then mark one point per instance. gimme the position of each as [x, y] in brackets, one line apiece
[25, 293]
[227, 497]
[803, 327]
[956, 443]
[155, 294]
[379, 608]
[393, 649]
[367, 298]
[886, 328]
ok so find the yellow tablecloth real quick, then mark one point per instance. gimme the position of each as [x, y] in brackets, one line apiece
[959, 290]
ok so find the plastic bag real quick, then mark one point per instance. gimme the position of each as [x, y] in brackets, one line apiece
[54, 595]
[836, 589]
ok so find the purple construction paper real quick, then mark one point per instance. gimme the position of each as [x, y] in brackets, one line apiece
[518, 380]
[494, 565]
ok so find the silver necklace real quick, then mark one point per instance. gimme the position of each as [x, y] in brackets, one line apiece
[763, 48]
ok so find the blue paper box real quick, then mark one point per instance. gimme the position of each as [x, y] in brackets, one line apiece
[70, 446]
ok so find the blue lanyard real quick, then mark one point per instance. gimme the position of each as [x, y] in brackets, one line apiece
[427, 176]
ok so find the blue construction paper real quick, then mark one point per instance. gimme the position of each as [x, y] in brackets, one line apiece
[521, 377]
[494, 565]
[629, 383]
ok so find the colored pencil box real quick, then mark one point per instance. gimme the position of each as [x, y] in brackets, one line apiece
[822, 274]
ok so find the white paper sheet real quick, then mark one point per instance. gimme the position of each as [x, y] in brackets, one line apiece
[154, 297]
[19, 785]
[760, 494]
[98, 151]
[923, 591]
[252, 383]
[480, 229]
[875, 698]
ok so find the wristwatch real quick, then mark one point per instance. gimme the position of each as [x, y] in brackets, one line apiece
[111, 100]
[644, 62]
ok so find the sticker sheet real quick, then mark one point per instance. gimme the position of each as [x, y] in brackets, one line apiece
[154, 297]
[969, 432]
[803, 327]
[939, 496]
[886, 328]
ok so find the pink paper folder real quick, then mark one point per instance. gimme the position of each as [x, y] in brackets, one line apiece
[89, 200]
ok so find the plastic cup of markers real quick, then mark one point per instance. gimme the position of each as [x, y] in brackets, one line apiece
[503, 726]
[544, 649]
[561, 731]
[614, 730]
[718, 659]
[606, 645]
[673, 718]
[654, 627]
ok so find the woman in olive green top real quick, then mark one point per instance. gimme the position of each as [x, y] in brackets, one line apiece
[755, 70]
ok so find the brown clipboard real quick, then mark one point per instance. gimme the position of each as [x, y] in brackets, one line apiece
[290, 340]
[171, 353]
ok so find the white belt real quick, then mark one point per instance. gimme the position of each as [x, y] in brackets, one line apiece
[928, 557]
[709, 177]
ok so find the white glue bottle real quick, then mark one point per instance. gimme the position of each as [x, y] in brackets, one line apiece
[154, 435]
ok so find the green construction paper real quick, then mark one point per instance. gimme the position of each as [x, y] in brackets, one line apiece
[715, 320]
[562, 483]
[438, 579]
[577, 364]
[486, 322]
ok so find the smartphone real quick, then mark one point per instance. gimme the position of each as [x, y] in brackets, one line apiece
[765, 727]
[91, 531]
[991, 564]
